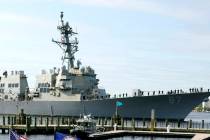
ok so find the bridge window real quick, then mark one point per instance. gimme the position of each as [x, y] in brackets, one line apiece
[44, 90]
[43, 85]
[6, 97]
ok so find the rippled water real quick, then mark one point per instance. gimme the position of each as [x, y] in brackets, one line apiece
[50, 137]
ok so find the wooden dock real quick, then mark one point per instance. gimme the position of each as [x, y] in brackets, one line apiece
[39, 129]
[33, 124]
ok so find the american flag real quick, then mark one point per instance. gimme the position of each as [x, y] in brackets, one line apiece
[15, 136]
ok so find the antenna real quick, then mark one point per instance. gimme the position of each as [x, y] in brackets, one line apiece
[67, 43]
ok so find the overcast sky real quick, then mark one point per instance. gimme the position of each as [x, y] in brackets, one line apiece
[145, 44]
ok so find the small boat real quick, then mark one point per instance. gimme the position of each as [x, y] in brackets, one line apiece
[85, 126]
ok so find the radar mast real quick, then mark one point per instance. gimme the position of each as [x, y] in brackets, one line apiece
[67, 43]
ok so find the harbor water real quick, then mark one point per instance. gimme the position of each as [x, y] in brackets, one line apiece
[194, 116]
[147, 138]
[47, 137]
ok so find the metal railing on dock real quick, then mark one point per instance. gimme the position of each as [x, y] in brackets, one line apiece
[158, 125]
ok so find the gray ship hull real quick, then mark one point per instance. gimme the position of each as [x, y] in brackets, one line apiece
[176, 106]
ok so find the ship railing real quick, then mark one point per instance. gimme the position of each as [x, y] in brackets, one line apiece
[161, 92]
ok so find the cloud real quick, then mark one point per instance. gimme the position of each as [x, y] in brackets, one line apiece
[180, 10]
[11, 17]
[17, 27]
[188, 41]
[189, 10]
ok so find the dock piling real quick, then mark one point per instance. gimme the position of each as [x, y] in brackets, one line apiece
[166, 122]
[3, 120]
[52, 120]
[58, 121]
[35, 121]
[152, 124]
[15, 120]
[133, 124]
[178, 125]
[202, 124]
[8, 120]
[143, 122]
[102, 122]
[69, 121]
[28, 123]
[41, 119]
[190, 124]
[47, 123]
[122, 123]
[11, 120]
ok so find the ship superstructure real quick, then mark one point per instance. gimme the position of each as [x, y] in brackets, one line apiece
[71, 82]
[13, 86]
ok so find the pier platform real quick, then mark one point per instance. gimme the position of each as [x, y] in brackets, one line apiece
[120, 133]
[32, 124]
[201, 136]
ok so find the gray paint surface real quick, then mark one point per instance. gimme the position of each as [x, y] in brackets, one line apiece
[176, 106]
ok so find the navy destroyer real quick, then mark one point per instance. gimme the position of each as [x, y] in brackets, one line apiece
[73, 89]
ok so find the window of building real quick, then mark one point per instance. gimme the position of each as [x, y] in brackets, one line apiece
[41, 90]
[2, 85]
[42, 84]
[16, 85]
[1, 90]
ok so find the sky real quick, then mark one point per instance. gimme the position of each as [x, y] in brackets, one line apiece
[144, 44]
